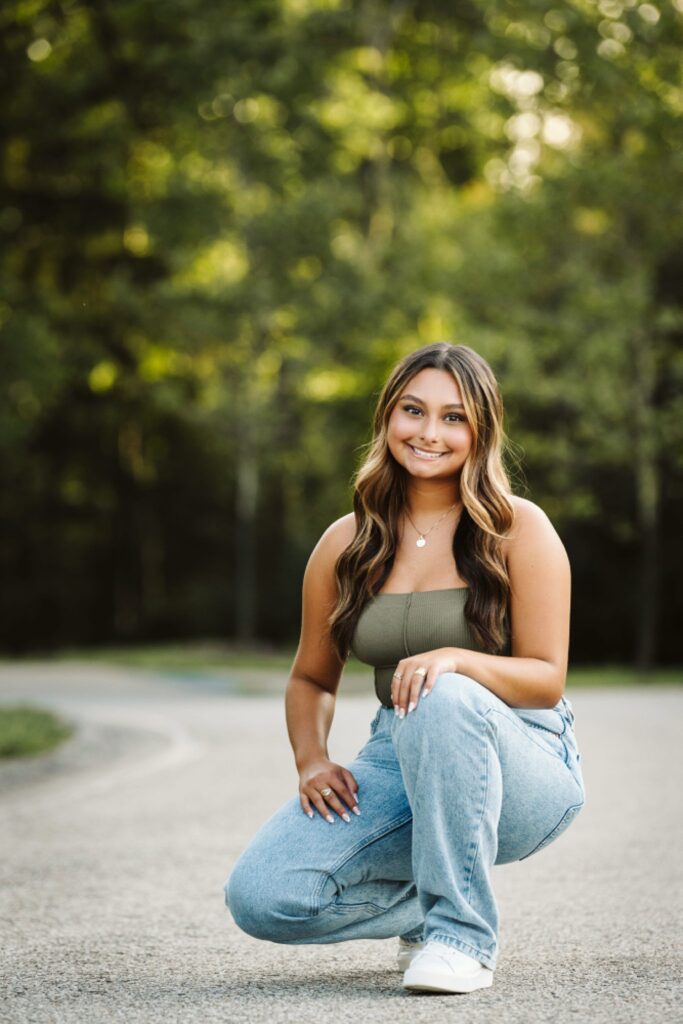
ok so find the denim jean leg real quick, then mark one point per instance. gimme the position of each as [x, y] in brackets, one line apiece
[460, 784]
[488, 784]
[446, 749]
[303, 880]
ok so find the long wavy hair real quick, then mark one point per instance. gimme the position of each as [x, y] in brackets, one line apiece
[380, 498]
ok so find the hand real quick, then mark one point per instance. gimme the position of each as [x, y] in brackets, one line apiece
[405, 690]
[319, 775]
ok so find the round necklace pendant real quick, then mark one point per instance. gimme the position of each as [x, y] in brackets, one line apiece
[420, 542]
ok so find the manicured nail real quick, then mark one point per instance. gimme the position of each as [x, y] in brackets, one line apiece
[356, 809]
[411, 706]
[395, 709]
[402, 713]
[330, 819]
[425, 693]
[346, 817]
[309, 813]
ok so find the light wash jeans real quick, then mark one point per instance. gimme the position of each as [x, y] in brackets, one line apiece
[461, 783]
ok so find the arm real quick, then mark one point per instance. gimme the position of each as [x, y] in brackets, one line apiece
[310, 697]
[534, 675]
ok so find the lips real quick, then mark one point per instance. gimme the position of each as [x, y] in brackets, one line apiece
[421, 453]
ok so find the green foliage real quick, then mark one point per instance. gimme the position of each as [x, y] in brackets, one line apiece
[25, 731]
[221, 229]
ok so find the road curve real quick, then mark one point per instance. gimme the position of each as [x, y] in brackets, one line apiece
[115, 848]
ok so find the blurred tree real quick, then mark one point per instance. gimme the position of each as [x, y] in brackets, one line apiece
[590, 227]
[220, 232]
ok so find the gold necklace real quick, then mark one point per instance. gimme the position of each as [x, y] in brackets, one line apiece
[421, 539]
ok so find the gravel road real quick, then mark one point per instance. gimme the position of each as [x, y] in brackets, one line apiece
[115, 849]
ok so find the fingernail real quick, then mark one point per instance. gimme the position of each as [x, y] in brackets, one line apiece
[356, 810]
[396, 709]
[309, 813]
[425, 693]
[330, 819]
[346, 817]
[411, 706]
[402, 713]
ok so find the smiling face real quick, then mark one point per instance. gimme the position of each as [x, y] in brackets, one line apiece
[428, 432]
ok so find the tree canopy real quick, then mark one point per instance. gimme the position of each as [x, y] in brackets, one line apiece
[221, 228]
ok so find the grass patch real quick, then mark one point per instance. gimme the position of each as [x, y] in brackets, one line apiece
[213, 657]
[27, 730]
[622, 675]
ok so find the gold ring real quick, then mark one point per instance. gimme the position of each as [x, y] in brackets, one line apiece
[420, 672]
[326, 791]
[398, 675]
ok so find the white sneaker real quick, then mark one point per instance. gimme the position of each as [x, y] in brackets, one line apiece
[406, 952]
[439, 967]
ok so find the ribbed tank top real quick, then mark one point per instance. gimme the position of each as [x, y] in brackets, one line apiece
[395, 626]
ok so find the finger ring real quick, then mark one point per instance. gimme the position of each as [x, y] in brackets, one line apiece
[326, 791]
[420, 672]
[398, 675]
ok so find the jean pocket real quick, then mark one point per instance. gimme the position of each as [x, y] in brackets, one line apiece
[562, 825]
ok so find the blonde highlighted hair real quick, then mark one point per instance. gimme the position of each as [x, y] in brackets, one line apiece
[380, 493]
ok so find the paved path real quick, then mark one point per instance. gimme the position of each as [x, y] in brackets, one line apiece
[115, 849]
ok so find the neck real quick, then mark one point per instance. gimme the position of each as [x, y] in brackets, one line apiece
[430, 498]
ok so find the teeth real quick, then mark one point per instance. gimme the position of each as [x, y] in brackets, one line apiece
[424, 454]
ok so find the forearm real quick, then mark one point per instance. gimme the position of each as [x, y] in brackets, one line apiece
[309, 710]
[520, 682]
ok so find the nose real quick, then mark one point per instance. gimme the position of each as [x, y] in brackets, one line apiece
[429, 431]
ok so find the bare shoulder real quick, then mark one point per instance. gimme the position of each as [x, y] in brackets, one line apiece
[319, 572]
[527, 514]
[540, 591]
[316, 657]
[338, 535]
[532, 536]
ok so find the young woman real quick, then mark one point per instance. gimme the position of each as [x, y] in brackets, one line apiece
[458, 593]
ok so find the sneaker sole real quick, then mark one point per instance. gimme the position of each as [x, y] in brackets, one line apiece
[431, 981]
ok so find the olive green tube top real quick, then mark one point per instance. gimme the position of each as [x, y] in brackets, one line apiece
[395, 626]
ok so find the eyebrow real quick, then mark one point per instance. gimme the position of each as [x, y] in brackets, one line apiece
[451, 405]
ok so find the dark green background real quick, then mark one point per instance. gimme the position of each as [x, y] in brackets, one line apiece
[220, 225]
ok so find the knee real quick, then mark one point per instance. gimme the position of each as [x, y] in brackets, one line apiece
[456, 690]
[239, 897]
[456, 703]
[243, 891]
[261, 903]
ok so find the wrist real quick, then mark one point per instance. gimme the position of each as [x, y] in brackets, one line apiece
[458, 657]
[304, 758]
